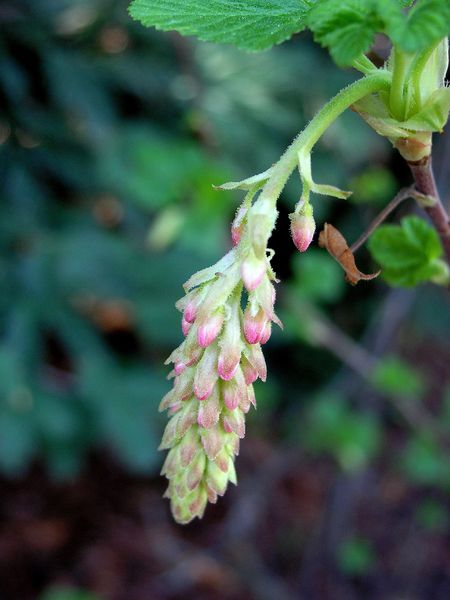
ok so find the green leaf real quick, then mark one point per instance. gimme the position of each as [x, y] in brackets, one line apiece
[250, 25]
[395, 377]
[408, 253]
[427, 22]
[346, 27]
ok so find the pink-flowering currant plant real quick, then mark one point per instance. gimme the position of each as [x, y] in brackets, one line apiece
[228, 309]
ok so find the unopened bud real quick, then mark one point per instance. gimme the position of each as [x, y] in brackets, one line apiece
[179, 367]
[303, 227]
[191, 303]
[237, 227]
[255, 357]
[253, 270]
[205, 377]
[209, 411]
[250, 373]
[234, 421]
[228, 363]
[230, 341]
[185, 326]
[267, 331]
[231, 394]
[254, 324]
[210, 329]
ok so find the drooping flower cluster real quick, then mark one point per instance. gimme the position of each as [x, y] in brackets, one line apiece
[216, 364]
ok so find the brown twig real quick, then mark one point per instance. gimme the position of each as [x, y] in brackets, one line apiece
[364, 363]
[402, 195]
[425, 184]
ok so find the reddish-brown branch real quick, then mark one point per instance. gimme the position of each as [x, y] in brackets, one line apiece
[425, 184]
[402, 195]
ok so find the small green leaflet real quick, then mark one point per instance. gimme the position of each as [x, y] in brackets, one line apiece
[409, 253]
[247, 24]
[347, 27]
[427, 22]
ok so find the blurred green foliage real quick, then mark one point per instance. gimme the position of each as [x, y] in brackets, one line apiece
[110, 138]
[332, 426]
[66, 593]
[394, 376]
[432, 515]
[356, 557]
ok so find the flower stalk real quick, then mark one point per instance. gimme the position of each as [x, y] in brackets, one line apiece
[228, 308]
[216, 365]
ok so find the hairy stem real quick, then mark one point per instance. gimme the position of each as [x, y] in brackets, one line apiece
[317, 126]
[425, 184]
[398, 199]
[397, 96]
[364, 65]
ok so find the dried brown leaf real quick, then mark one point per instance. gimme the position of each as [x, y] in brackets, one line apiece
[335, 243]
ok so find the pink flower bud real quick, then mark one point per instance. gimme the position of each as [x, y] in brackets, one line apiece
[185, 326]
[170, 466]
[236, 234]
[175, 407]
[256, 359]
[210, 329]
[198, 505]
[250, 373]
[254, 325]
[230, 341]
[303, 227]
[222, 460]
[212, 495]
[238, 224]
[266, 333]
[183, 384]
[187, 417]
[167, 401]
[234, 421]
[195, 299]
[206, 376]
[195, 471]
[253, 270]
[227, 364]
[187, 453]
[212, 441]
[209, 411]
[216, 479]
[190, 312]
[231, 394]
[251, 395]
[179, 367]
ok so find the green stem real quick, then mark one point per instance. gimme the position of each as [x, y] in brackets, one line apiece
[397, 96]
[364, 65]
[316, 128]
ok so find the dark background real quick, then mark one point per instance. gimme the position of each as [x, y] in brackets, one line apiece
[110, 138]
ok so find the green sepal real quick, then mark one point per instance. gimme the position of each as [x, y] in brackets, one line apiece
[304, 165]
[253, 183]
